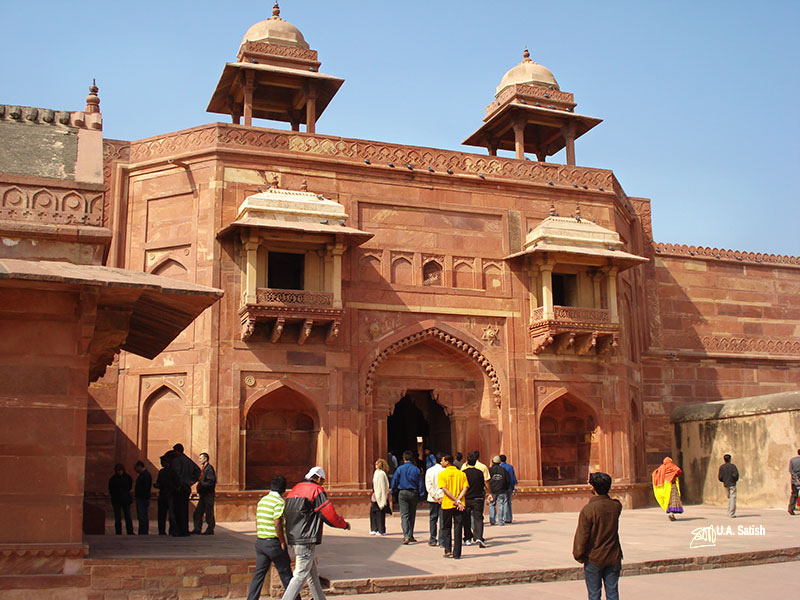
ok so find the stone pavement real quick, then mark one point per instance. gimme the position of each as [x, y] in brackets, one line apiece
[536, 547]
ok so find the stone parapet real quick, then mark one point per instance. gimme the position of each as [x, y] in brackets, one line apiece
[706, 253]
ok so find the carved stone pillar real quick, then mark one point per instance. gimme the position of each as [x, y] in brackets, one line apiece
[598, 297]
[519, 138]
[251, 270]
[249, 86]
[569, 140]
[311, 107]
[546, 270]
[611, 283]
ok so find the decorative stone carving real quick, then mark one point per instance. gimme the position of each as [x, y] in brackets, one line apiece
[721, 254]
[445, 337]
[67, 206]
[491, 335]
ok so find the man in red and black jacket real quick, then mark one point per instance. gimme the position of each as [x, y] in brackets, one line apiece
[307, 506]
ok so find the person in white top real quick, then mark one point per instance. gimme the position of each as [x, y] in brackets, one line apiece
[434, 500]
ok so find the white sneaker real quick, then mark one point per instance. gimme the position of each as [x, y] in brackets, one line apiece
[379, 533]
[373, 533]
[468, 542]
[481, 543]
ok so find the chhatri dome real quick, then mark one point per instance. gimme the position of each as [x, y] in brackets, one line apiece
[528, 72]
[276, 31]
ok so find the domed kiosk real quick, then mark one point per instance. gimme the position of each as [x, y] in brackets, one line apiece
[531, 114]
[276, 77]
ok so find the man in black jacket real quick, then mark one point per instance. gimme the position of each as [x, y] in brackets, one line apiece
[499, 484]
[119, 488]
[142, 491]
[307, 507]
[205, 490]
[186, 473]
[729, 475]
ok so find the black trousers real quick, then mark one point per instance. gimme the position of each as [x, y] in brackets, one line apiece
[119, 510]
[165, 512]
[377, 518]
[143, 515]
[269, 551]
[180, 511]
[793, 497]
[452, 530]
[473, 519]
[205, 507]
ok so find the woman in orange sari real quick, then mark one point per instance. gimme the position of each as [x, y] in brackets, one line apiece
[666, 488]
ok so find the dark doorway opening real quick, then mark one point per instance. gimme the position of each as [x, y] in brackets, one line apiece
[285, 270]
[418, 415]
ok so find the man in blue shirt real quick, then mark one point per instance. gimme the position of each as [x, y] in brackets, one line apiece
[513, 480]
[408, 485]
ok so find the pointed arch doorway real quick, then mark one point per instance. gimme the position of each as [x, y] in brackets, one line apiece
[418, 415]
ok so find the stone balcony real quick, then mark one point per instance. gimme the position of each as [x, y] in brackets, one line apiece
[276, 308]
[573, 329]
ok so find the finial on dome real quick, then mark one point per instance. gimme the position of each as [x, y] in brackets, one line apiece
[304, 186]
[552, 209]
[92, 100]
[578, 212]
[275, 181]
[526, 56]
[276, 11]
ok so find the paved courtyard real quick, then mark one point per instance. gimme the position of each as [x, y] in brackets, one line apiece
[536, 547]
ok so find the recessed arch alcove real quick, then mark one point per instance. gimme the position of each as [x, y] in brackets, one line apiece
[281, 437]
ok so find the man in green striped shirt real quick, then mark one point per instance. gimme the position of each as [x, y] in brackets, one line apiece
[271, 542]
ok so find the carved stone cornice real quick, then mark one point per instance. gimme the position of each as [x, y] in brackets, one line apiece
[220, 136]
[702, 252]
[52, 202]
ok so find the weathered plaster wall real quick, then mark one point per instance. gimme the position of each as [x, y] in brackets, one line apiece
[761, 435]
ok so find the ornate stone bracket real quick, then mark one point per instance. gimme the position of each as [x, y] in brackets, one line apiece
[305, 331]
[435, 332]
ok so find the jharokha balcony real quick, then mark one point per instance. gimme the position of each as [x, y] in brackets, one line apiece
[297, 309]
[573, 329]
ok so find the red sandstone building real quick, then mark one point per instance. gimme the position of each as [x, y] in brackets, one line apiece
[375, 294]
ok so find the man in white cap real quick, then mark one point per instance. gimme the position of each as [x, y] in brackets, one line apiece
[307, 506]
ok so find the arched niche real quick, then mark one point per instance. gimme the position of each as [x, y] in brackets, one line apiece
[281, 437]
[164, 423]
[402, 271]
[568, 446]
[170, 267]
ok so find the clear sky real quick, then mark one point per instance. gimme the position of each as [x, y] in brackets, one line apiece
[699, 99]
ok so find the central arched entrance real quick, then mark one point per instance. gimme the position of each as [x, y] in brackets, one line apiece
[417, 416]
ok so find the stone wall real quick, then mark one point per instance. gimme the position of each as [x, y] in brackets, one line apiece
[761, 435]
[722, 325]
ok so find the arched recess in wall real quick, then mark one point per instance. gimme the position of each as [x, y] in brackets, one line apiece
[169, 267]
[492, 277]
[369, 268]
[402, 271]
[433, 358]
[569, 438]
[164, 423]
[432, 273]
[282, 428]
[463, 275]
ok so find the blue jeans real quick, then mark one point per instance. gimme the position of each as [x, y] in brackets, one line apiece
[509, 516]
[408, 511]
[497, 508]
[596, 577]
[435, 512]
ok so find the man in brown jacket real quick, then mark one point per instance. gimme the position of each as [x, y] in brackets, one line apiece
[596, 543]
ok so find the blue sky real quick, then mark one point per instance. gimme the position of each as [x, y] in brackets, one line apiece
[698, 98]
